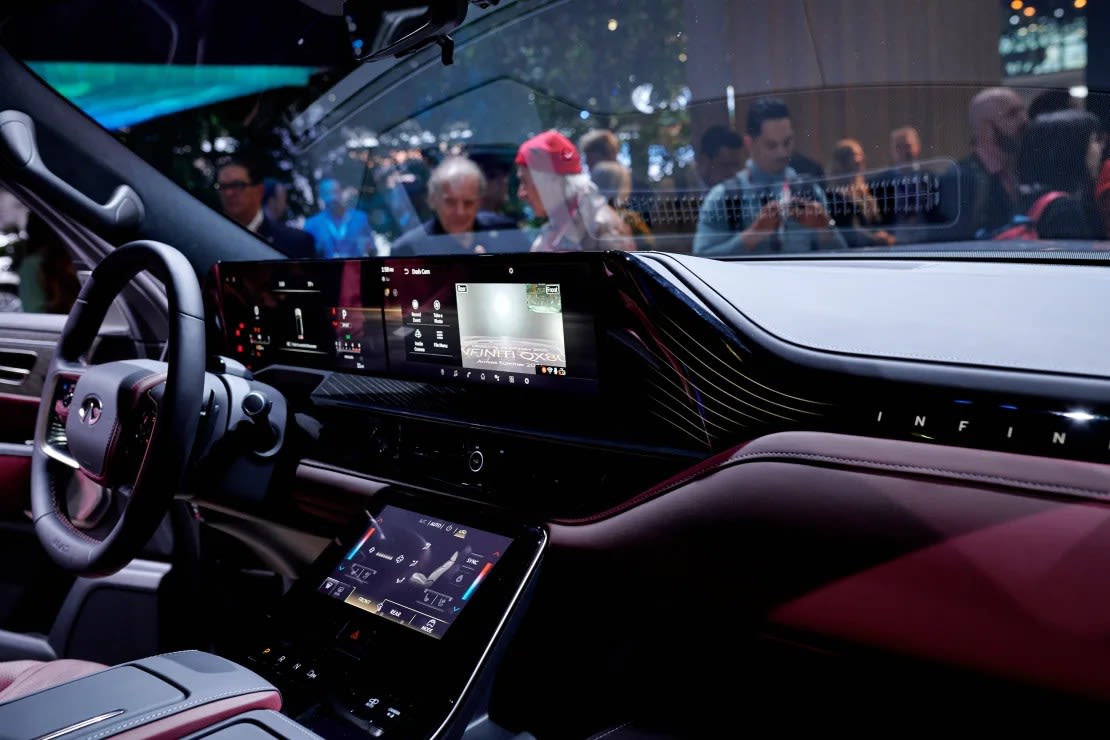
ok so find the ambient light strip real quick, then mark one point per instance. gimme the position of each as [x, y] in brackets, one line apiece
[354, 550]
[481, 577]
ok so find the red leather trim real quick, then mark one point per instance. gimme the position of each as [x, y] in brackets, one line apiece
[193, 720]
[15, 484]
[1069, 477]
[993, 562]
[22, 677]
[703, 468]
[1024, 599]
[17, 417]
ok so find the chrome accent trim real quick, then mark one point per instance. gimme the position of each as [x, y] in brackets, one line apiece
[55, 454]
[15, 449]
[81, 725]
[15, 370]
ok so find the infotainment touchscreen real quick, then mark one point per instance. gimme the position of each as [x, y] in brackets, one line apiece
[507, 324]
[417, 570]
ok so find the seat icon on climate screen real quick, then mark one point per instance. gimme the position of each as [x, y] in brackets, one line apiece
[427, 580]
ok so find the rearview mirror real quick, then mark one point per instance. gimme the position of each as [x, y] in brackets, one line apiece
[402, 28]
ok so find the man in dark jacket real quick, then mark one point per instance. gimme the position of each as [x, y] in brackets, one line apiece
[241, 189]
[459, 227]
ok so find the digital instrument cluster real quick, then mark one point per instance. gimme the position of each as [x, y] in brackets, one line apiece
[496, 320]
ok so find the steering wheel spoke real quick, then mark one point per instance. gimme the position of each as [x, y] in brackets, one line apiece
[58, 391]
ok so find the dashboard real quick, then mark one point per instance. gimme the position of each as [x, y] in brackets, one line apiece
[564, 384]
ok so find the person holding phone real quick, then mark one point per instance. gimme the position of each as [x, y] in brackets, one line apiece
[766, 207]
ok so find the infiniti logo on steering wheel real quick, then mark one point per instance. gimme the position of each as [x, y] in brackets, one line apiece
[90, 410]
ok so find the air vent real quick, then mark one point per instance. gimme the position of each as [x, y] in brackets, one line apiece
[708, 392]
[701, 383]
[16, 365]
[386, 391]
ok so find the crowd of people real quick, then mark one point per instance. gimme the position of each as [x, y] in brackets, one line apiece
[466, 197]
[1032, 172]
[1040, 167]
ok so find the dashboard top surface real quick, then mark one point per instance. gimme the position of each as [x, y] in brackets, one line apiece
[1034, 317]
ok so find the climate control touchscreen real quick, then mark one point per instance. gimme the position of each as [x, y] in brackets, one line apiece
[417, 570]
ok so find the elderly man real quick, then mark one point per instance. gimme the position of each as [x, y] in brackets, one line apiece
[455, 191]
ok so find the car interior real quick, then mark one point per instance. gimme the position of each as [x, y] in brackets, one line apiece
[582, 494]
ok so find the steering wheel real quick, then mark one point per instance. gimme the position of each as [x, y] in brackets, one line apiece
[127, 426]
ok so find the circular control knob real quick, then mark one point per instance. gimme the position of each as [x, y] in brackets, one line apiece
[476, 461]
[255, 404]
[262, 433]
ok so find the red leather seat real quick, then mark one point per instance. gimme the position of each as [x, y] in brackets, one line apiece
[21, 677]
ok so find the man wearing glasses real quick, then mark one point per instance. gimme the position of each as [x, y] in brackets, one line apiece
[240, 190]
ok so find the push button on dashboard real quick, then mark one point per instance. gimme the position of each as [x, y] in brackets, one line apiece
[475, 461]
[382, 712]
[355, 635]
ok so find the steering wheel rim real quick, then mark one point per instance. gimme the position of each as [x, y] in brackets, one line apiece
[96, 397]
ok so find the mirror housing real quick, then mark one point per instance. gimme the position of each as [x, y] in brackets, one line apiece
[404, 28]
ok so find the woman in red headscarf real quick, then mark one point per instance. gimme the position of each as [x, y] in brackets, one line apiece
[553, 184]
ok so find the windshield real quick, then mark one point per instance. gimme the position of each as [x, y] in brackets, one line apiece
[706, 127]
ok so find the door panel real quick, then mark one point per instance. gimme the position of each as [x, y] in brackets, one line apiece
[26, 344]
[15, 478]
[17, 418]
[31, 586]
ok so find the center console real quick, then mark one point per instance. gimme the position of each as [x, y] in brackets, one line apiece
[398, 625]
